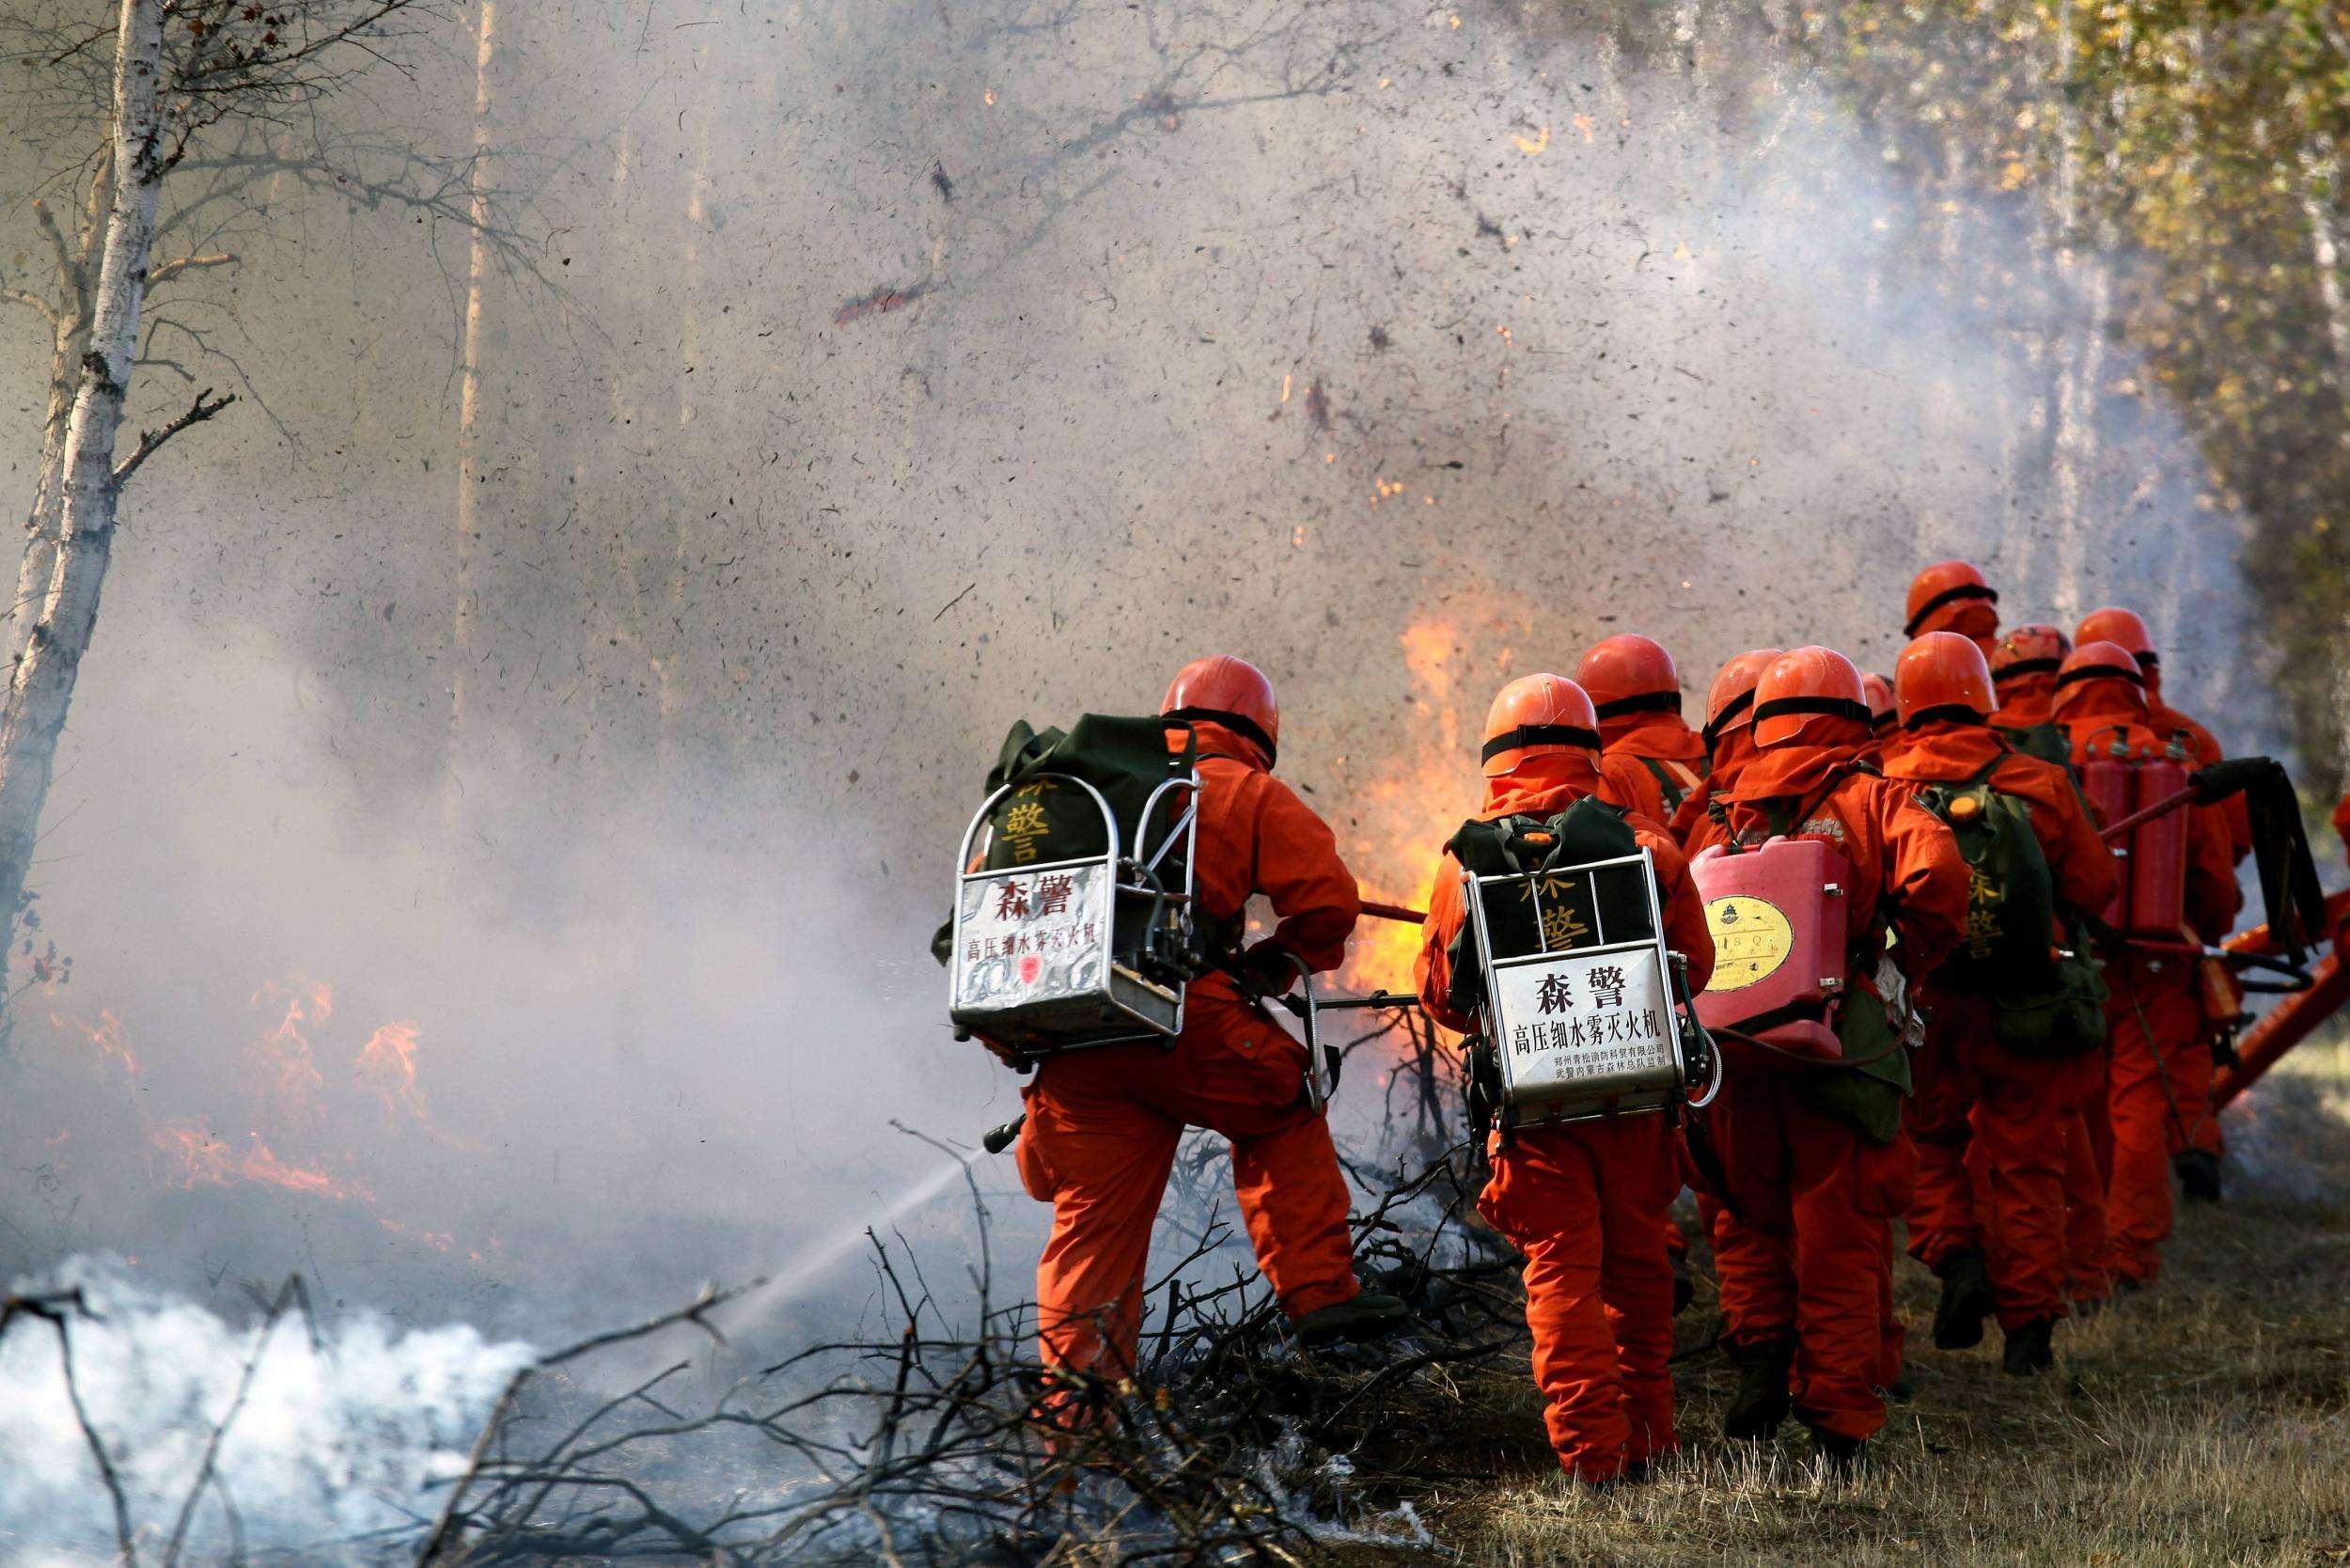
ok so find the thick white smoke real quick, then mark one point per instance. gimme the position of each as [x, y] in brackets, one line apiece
[335, 1443]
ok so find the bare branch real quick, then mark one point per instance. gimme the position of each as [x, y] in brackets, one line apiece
[172, 269]
[204, 1469]
[67, 267]
[205, 406]
[54, 1308]
[31, 301]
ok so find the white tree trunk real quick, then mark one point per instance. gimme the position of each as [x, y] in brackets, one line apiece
[469, 394]
[41, 690]
[2325, 248]
[69, 336]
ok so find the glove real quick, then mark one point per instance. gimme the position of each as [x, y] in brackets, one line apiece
[1266, 970]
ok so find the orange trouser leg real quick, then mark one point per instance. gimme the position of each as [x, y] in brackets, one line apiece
[2087, 1250]
[1751, 1222]
[2021, 1122]
[1805, 1246]
[1240, 1074]
[2192, 1073]
[1294, 1199]
[1944, 1217]
[1101, 1162]
[2153, 1002]
[1583, 1203]
[1100, 1137]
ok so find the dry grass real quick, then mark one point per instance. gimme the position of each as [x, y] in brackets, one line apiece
[2207, 1421]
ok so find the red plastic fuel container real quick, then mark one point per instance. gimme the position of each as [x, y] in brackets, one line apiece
[2158, 849]
[2107, 780]
[1778, 915]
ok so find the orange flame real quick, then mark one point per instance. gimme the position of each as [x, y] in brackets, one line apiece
[1404, 817]
[105, 1036]
[284, 1051]
[439, 1241]
[388, 1064]
[206, 1161]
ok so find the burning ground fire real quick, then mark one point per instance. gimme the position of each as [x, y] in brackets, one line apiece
[207, 1160]
[287, 1089]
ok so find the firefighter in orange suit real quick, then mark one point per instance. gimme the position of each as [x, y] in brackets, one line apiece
[1102, 1123]
[2159, 1080]
[1729, 733]
[1651, 763]
[2197, 1161]
[1993, 1229]
[1815, 1165]
[1884, 713]
[1650, 760]
[1586, 1201]
[1952, 596]
[2023, 673]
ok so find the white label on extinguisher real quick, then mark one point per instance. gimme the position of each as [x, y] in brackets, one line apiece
[1598, 1021]
[1032, 936]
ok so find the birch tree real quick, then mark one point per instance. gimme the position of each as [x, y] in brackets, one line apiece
[218, 103]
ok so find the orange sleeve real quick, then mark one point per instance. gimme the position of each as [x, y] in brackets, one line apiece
[1686, 932]
[1926, 885]
[2212, 897]
[1298, 868]
[1433, 969]
[2341, 821]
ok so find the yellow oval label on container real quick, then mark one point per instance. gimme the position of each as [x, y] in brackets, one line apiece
[1752, 937]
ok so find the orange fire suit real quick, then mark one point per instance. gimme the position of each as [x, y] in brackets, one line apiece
[1639, 753]
[1103, 1123]
[2025, 700]
[1803, 1241]
[2019, 1111]
[2159, 1080]
[1586, 1203]
[2203, 749]
[1730, 755]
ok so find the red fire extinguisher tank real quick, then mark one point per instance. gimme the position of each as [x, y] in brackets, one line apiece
[1778, 915]
[2106, 780]
[2158, 849]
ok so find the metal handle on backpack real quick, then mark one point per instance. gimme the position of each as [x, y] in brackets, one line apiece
[1322, 1069]
[1712, 1047]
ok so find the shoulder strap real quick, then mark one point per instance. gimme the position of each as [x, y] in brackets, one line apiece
[1674, 789]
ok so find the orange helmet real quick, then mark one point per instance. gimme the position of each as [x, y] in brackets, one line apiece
[2029, 651]
[1629, 674]
[2125, 629]
[1883, 710]
[1804, 685]
[1943, 675]
[1941, 584]
[2095, 662]
[1220, 689]
[1534, 715]
[1730, 703]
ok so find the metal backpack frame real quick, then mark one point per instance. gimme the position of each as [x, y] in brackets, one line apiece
[1683, 1040]
[1138, 994]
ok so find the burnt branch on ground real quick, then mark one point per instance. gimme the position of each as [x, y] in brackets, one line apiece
[1227, 1441]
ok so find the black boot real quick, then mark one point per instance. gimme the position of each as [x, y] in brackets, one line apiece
[1761, 1402]
[1367, 1315]
[1843, 1455]
[1965, 1302]
[2028, 1353]
[2198, 1174]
